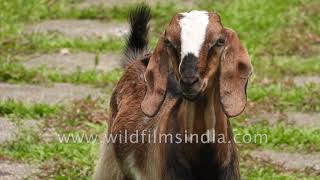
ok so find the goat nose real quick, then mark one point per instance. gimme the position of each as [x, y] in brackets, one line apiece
[189, 81]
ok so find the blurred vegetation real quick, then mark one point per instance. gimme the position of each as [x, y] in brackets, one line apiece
[282, 37]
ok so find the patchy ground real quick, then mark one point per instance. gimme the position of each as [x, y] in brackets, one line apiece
[57, 69]
[16, 171]
[304, 120]
[69, 63]
[48, 94]
[290, 161]
[304, 80]
[79, 28]
[8, 130]
[88, 3]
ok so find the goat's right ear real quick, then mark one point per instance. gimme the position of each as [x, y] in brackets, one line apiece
[156, 76]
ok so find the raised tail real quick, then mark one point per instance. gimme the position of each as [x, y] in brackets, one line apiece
[137, 41]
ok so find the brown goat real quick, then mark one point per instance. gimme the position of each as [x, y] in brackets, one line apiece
[194, 80]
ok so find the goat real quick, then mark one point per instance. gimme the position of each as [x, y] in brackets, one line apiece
[193, 81]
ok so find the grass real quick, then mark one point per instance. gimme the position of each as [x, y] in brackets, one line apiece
[256, 22]
[16, 73]
[13, 41]
[281, 98]
[58, 160]
[61, 160]
[278, 96]
[75, 160]
[279, 34]
[84, 116]
[161, 12]
[49, 43]
[278, 137]
[22, 110]
[256, 170]
[53, 43]
[277, 67]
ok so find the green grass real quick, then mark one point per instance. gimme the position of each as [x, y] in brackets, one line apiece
[273, 31]
[283, 98]
[53, 43]
[279, 96]
[74, 161]
[255, 21]
[65, 9]
[15, 14]
[50, 43]
[22, 110]
[277, 137]
[18, 13]
[70, 160]
[16, 73]
[278, 66]
[88, 77]
[257, 170]
[86, 116]
[38, 43]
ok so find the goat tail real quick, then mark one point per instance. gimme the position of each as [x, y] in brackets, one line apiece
[137, 41]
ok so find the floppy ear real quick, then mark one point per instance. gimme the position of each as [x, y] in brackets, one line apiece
[235, 70]
[156, 77]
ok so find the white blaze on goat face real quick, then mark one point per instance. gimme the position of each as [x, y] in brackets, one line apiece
[193, 32]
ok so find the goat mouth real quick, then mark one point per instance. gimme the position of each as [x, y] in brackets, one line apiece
[191, 97]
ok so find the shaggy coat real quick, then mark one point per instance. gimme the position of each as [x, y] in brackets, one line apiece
[164, 93]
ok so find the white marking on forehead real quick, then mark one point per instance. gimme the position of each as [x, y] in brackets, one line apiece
[193, 31]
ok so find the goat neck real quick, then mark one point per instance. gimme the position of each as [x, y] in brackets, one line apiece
[203, 114]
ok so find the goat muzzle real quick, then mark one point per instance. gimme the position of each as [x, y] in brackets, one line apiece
[190, 87]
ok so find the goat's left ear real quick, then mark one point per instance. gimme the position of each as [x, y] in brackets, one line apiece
[235, 70]
[156, 77]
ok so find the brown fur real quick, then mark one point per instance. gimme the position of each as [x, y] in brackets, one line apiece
[153, 85]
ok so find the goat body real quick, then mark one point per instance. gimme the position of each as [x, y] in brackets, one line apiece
[162, 160]
[176, 115]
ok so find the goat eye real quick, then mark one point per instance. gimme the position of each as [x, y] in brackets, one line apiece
[170, 46]
[168, 43]
[220, 42]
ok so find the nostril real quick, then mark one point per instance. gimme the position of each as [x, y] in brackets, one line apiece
[189, 81]
[242, 66]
